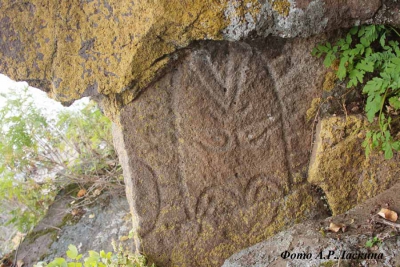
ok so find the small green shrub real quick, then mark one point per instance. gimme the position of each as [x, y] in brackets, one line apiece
[369, 56]
[373, 242]
[23, 148]
[75, 145]
[121, 258]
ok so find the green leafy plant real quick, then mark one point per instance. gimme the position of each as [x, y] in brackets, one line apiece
[86, 138]
[369, 56]
[373, 242]
[40, 155]
[24, 132]
[121, 258]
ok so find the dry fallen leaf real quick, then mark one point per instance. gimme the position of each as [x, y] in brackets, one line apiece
[123, 238]
[333, 227]
[77, 212]
[91, 216]
[388, 215]
[81, 192]
[97, 192]
[20, 263]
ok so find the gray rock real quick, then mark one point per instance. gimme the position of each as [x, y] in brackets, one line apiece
[215, 153]
[307, 238]
[92, 229]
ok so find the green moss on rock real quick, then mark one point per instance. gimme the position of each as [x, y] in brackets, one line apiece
[339, 165]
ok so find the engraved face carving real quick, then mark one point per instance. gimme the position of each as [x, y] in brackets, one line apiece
[230, 134]
[210, 150]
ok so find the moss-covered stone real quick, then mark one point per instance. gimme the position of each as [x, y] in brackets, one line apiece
[114, 49]
[312, 111]
[281, 6]
[111, 48]
[339, 165]
[329, 82]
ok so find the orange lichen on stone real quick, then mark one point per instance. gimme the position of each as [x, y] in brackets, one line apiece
[281, 6]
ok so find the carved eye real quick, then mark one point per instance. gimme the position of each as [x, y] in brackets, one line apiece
[211, 205]
[257, 133]
[215, 140]
[262, 188]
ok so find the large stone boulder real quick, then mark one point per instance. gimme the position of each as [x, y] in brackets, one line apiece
[328, 248]
[88, 228]
[340, 167]
[114, 49]
[215, 153]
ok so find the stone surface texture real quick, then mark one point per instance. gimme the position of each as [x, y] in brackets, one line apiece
[339, 165]
[215, 153]
[308, 238]
[93, 229]
[113, 49]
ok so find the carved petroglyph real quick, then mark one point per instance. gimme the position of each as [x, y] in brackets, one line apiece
[146, 196]
[223, 86]
[217, 201]
[217, 140]
[222, 127]
[262, 188]
[257, 134]
[212, 143]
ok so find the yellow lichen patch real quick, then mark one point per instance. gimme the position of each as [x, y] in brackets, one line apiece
[209, 242]
[329, 82]
[281, 6]
[339, 165]
[111, 48]
[312, 111]
[335, 64]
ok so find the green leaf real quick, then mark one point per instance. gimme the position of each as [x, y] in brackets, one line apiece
[373, 86]
[93, 254]
[329, 58]
[348, 39]
[382, 40]
[359, 50]
[388, 150]
[361, 31]
[369, 244]
[373, 106]
[58, 262]
[72, 252]
[353, 30]
[341, 73]
[355, 76]
[396, 145]
[395, 102]
[368, 51]
[365, 42]
[366, 65]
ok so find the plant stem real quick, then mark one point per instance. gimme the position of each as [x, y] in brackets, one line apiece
[381, 110]
[395, 31]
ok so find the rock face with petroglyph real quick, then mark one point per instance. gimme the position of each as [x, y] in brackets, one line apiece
[215, 153]
[211, 134]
